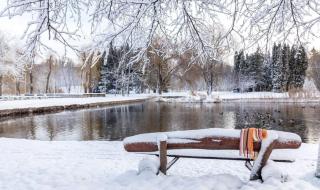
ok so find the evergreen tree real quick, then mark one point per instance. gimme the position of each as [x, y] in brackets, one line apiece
[285, 67]
[301, 67]
[298, 65]
[267, 80]
[236, 62]
[292, 66]
[283, 70]
[256, 69]
[108, 74]
[315, 68]
[276, 72]
[242, 69]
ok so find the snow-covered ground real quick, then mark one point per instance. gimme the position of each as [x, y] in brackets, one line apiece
[166, 97]
[36, 103]
[29, 164]
[222, 96]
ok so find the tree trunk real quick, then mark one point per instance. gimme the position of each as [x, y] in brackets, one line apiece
[318, 165]
[128, 81]
[159, 80]
[31, 82]
[87, 82]
[18, 87]
[48, 76]
[1, 77]
[90, 81]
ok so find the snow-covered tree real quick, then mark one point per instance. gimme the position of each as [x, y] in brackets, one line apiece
[236, 66]
[301, 67]
[276, 72]
[255, 64]
[107, 79]
[69, 75]
[292, 67]
[116, 75]
[162, 58]
[12, 62]
[140, 20]
[249, 70]
[315, 67]
[297, 67]
[238, 63]
[91, 61]
[285, 67]
[267, 80]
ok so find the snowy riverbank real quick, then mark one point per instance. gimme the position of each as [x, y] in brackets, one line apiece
[29, 164]
[19, 107]
[22, 107]
[225, 96]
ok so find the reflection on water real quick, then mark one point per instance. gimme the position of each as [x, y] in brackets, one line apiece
[115, 123]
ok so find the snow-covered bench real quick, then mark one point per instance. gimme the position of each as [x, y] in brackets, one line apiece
[225, 142]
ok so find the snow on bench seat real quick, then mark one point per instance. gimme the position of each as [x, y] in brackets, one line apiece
[212, 138]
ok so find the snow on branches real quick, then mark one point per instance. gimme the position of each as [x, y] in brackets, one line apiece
[10, 61]
[136, 22]
[49, 17]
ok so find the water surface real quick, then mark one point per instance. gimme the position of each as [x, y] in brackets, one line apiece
[116, 123]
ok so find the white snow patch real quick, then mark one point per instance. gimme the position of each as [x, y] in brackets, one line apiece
[36, 103]
[149, 165]
[272, 172]
[221, 96]
[318, 164]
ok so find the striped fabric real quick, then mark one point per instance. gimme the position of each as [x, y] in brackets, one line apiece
[247, 137]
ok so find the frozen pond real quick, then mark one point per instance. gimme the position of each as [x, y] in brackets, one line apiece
[115, 123]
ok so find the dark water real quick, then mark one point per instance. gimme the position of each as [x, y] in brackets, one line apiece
[115, 123]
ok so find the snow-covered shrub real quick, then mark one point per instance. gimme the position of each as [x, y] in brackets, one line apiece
[149, 165]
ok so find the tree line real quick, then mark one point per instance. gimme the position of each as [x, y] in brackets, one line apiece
[283, 70]
[162, 67]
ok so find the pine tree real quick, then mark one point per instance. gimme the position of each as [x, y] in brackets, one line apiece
[256, 69]
[297, 67]
[236, 62]
[301, 67]
[242, 69]
[292, 70]
[107, 82]
[285, 67]
[277, 75]
[315, 68]
[267, 80]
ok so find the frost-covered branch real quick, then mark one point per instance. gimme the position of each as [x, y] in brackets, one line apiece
[47, 17]
[137, 22]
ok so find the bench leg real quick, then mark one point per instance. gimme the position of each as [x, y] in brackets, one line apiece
[173, 161]
[261, 161]
[249, 165]
[163, 157]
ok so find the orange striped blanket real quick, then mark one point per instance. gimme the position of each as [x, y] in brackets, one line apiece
[247, 137]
